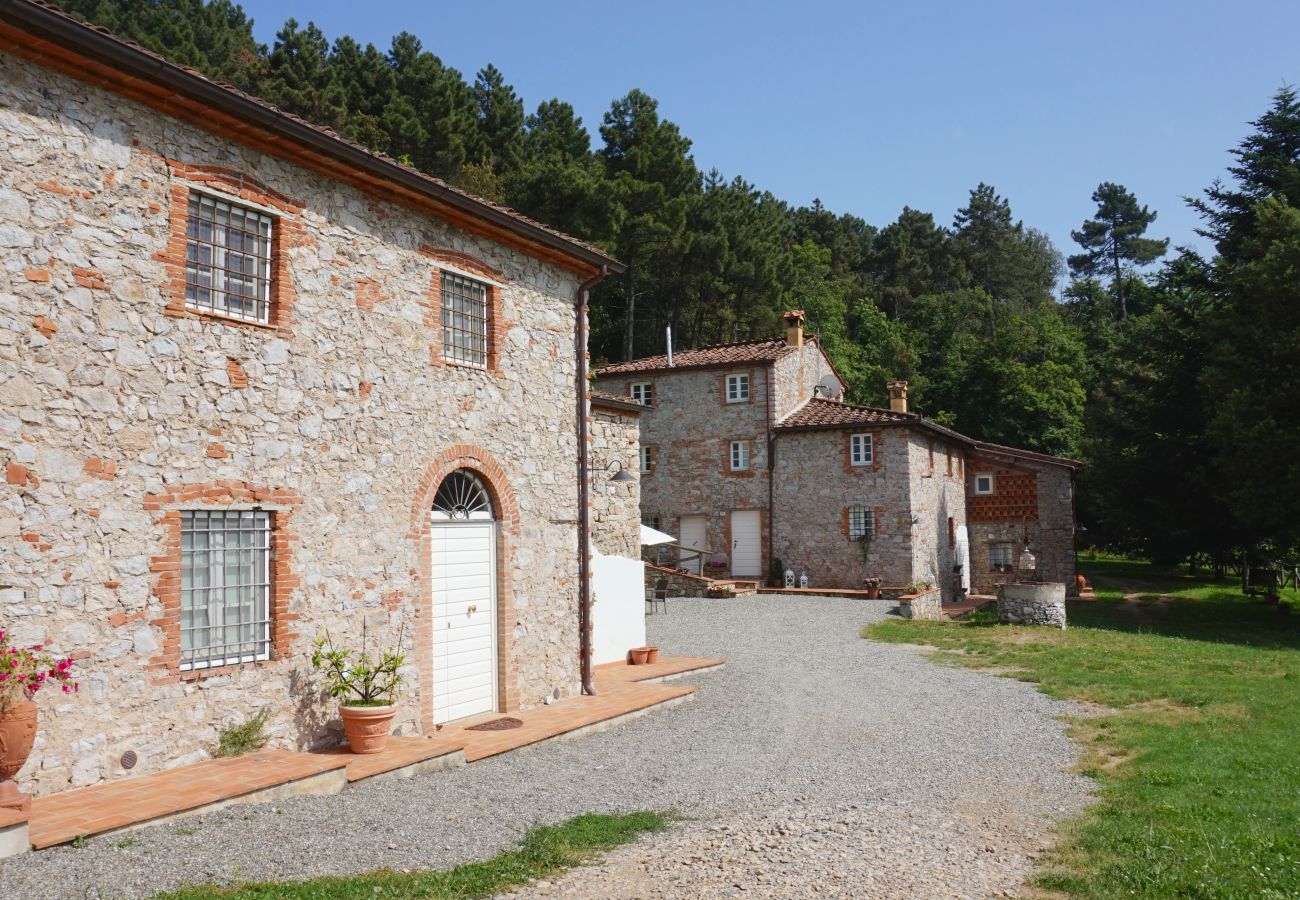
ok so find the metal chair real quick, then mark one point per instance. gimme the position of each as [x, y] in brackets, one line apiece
[657, 594]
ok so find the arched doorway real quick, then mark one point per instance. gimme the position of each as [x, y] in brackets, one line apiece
[463, 544]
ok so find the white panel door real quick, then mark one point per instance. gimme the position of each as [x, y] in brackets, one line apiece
[746, 535]
[464, 619]
[693, 537]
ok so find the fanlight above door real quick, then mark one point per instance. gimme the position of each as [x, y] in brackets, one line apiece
[462, 497]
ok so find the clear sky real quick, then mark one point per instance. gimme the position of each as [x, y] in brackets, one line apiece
[872, 106]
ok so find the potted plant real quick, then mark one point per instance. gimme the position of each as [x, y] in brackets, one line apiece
[366, 690]
[873, 587]
[23, 672]
[724, 592]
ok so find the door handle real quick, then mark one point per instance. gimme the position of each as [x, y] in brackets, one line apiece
[472, 608]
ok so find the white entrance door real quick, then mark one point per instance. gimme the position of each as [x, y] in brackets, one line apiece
[464, 619]
[692, 537]
[746, 552]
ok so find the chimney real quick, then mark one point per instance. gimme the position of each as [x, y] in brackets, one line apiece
[897, 396]
[794, 328]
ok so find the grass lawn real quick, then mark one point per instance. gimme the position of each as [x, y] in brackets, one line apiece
[543, 852]
[1198, 753]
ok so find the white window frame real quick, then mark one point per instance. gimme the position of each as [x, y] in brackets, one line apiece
[869, 516]
[1009, 563]
[258, 577]
[215, 275]
[989, 476]
[738, 456]
[857, 444]
[738, 388]
[645, 459]
[642, 392]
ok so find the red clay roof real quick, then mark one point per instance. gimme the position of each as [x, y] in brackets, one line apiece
[81, 37]
[618, 401]
[760, 351]
[819, 413]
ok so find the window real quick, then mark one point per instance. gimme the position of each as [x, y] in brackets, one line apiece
[862, 523]
[983, 484]
[464, 320]
[225, 587]
[647, 460]
[952, 532]
[860, 450]
[227, 259]
[739, 456]
[737, 388]
[643, 392]
[1000, 556]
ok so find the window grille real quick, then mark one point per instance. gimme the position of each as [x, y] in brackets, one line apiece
[228, 259]
[464, 320]
[225, 587]
[1000, 557]
[862, 523]
[737, 388]
[860, 449]
[462, 496]
[643, 392]
[739, 456]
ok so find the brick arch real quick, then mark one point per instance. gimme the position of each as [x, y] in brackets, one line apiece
[481, 463]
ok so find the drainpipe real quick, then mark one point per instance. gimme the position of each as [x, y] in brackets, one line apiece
[584, 475]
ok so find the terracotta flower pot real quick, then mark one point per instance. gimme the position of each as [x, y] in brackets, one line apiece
[367, 727]
[639, 655]
[651, 655]
[17, 734]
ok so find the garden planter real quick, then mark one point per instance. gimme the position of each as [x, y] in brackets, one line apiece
[651, 655]
[367, 727]
[17, 734]
[639, 655]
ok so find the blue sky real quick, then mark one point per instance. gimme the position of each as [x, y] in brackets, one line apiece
[873, 106]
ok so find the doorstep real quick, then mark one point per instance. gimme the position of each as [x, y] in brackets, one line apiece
[14, 837]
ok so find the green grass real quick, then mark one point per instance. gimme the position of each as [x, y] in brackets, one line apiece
[543, 852]
[1198, 754]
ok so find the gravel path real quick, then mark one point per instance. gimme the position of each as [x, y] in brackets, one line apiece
[814, 762]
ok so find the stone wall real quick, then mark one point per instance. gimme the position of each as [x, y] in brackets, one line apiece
[677, 583]
[1032, 603]
[815, 484]
[689, 430]
[1045, 513]
[615, 505]
[796, 376]
[937, 496]
[926, 606]
[115, 413]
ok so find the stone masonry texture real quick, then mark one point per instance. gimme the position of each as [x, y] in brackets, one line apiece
[118, 409]
[615, 506]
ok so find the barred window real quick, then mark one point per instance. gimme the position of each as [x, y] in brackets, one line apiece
[643, 392]
[862, 522]
[860, 450]
[228, 259]
[464, 320]
[1000, 556]
[225, 587]
[739, 456]
[737, 388]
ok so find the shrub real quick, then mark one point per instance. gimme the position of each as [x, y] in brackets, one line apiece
[236, 740]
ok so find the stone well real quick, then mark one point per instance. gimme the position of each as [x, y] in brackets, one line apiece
[1032, 603]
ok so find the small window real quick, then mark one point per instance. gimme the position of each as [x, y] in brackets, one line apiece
[464, 321]
[983, 484]
[225, 587]
[739, 456]
[860, 450]
[862, 523]
[647, 460]
[643, 392]
[737, 388]
[227, 259]
[952, 532]
[1000, 556]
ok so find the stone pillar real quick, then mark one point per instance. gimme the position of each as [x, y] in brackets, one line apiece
[1032, 603]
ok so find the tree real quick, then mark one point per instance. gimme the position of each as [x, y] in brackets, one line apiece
[500, 119]
[1112, 240]
[300, 78]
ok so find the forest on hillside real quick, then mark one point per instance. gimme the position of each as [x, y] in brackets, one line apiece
[1172, 375]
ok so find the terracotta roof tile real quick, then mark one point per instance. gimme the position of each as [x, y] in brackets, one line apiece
[819, 413]
[617, 400]
[766, 350]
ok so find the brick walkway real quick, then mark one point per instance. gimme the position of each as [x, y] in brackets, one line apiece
[621, 691]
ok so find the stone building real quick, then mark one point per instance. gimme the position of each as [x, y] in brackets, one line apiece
[259, 385]
[749, 455]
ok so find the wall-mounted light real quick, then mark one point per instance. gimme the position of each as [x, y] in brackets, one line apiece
[617, 473]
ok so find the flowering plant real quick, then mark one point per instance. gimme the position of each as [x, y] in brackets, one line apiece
[25, 670]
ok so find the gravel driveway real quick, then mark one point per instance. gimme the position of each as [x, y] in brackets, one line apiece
[814, 762]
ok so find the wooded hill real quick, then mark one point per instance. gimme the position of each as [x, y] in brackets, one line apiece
[1173, 376]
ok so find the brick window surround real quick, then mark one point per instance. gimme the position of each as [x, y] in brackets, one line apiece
[726, 394]
[749, 471]
[455, 262]
[493, 476]
[877, 442]
[167, 507]
[877, 514]
[865, 455]
[649, 459]
[234, 187]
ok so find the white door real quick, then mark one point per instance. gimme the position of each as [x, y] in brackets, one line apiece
[746, 553]
[692, 537]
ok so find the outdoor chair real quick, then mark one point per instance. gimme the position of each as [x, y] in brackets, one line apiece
[657, 594]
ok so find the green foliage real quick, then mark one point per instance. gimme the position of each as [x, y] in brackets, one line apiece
[1196, 758]
[1112, 241]
[544, 851]
[354, 678]
[243, 737]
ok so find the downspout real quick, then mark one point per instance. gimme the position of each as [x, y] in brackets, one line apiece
[771, 467]
[584, 474]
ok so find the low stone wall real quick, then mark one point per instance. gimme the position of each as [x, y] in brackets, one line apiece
[679, 584]
[927, 605]
[1032, 603]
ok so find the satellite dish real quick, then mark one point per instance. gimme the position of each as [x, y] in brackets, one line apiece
[829, 387]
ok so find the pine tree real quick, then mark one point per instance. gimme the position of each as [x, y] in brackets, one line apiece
[1112, 240]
